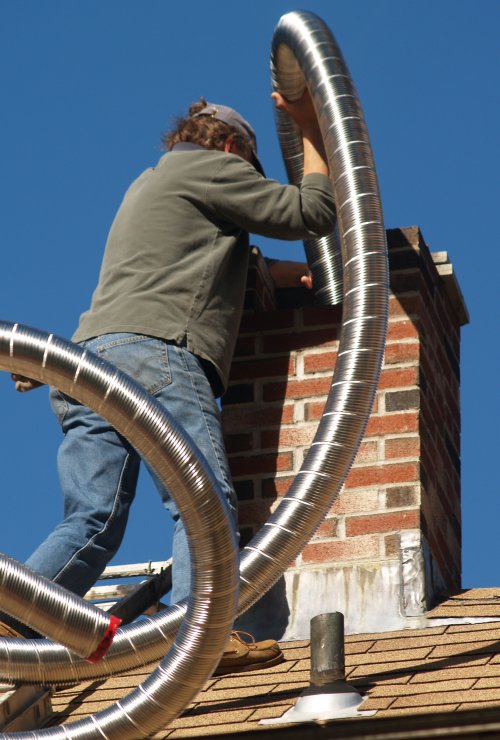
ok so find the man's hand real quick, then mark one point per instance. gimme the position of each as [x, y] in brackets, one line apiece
[307, 280]
[287, 274]
[303, 113]
[24, 384]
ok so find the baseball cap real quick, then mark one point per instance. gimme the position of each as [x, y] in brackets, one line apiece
[233, 118]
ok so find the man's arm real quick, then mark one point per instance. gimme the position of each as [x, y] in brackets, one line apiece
[265, 207]
[303, 113]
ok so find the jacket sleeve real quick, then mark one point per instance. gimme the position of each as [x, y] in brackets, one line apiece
[238, 194]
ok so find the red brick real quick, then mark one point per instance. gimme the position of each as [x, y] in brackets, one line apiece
[256, 417]
[288, 437]
[297, 389]
[368, 452]
[378, 500]
[238, 443]
[392, 522]
[393, 423]
[401, 330]
[398, 377]
[266, 368]
[255, 464]
[276, 487]
[381, 474]
[253, 513]
[442, 556]
[406, 306]
[355, 549]
[402, 447]
[353, 502]
[320, 362]
[287, 342]
[314, 411]
[391, 546]
[399, 497]
[401, 352]
[327, 529]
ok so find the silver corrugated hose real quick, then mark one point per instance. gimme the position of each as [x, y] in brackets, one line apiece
[304, 53]
[324, 254]
[212, 606]
[78, 625]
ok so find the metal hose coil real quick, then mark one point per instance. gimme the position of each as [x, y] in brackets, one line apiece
[211, 609]
[79, 625]
[304, 52]
[354, 383]
[363, 334]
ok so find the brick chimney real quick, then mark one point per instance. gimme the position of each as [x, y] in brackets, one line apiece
[391, 543]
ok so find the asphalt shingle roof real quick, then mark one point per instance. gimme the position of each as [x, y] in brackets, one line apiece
[447, 667]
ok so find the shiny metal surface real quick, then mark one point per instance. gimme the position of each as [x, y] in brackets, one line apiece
[74, 623]
[304, 52]
[212, 606]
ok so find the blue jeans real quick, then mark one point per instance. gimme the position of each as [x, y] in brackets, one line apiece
[98, 468]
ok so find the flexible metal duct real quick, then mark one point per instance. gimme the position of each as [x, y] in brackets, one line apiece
[304, 52]
[79, 626]
[212, 606]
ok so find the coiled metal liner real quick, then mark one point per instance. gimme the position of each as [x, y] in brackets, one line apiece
[304, 53]
[79, 626]
[212, 606]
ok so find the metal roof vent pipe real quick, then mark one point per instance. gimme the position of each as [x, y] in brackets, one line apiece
[328, 695]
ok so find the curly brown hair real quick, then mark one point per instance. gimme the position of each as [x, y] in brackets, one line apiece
[205, 131]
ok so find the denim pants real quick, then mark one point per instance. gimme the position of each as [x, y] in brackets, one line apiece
[98, 468]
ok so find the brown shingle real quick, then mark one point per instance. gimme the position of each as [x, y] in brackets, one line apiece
[428, 687]
[476, 602]
[442, 668]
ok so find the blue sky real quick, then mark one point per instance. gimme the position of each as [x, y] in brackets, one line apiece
[88, 88]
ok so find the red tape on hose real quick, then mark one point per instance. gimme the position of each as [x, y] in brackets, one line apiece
[105, 644]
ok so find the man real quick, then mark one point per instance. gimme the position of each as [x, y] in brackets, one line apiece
[166, 311]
